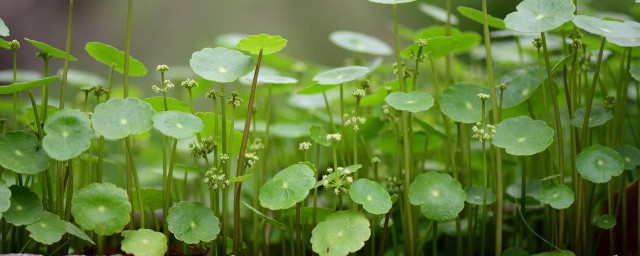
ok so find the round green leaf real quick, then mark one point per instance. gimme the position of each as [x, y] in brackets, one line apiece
[288, 187]
[440, 196]
[521, 85]
[461, 103]
[111, 56]
[102, 208]
[176, 124]
[475, 195]
[599, 163]
[69, 134]
[631, 156]
[559, 196]
[373, 197]
[25, 208]
[340, 233]
[144, 242]
[606, 221]
[268, 44]
[537, 16]
[391, 1]
[192, 222]
[598, 116]
[415, 101]
[319, 135]
[5, 198]
[220, 64]
[119, 118]
[341, 75]
[48, 230]
[523, 136]
[626, 34]
[4, 30]
[21, 152]
[52, 51]
[360, 43]
[267, 76]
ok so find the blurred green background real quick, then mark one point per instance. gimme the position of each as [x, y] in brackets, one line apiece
[168, 31]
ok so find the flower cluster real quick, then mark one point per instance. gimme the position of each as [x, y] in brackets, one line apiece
[215, 179]
[609, 102]
[304, 146]
[234, 100]
[189, 84]
[214, 94]
[483, 134]
[87, 89]
[99, 91]
[537, 43]
[162, 68]
[202, 148]
[166, 85]
[483, 96]
[354, 121]
[393, 183]
[224, 158]
[256, 145]
[359, 93]
[334, 137]
[14, 45]
[250, 159]
[504, 86]
[375, 160]
[339, 181]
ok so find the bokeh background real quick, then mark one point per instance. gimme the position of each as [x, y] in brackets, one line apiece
[168, 31]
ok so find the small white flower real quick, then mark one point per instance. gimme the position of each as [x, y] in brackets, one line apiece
[304, 146]
[350, 179]
[162, 68]
[483, 96]
[334, 137]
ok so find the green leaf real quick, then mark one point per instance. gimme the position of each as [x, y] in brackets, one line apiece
[53, 52]
[23, 86]
[515, 251]
[537, 16]
[436, 47]
[111, 56]
[25, 207]
[268, 76]
[119, 118]
[440, 196]
[606, 221]
[157, 103]
[4, 44]
[316, 88]
[341, 75]
[598, 116]
[634, 71]
[240, 178]
[478, 17]
[101, 208]
[461, 103]
[559, 196]
[521, 85]
[152, 198]
[4, 30]
[319, 135]
[69, 134]
[192, 222]
[465, 41]
[626, 34]
[144, 242]
[391, 1]
[475, 195]
[415, 101]
[437, 13]
[176, 124]
[555, 253]
[360, 43]
[5, 198]
[631, 156]
[77, 232]
[48, 230]
[373, 197]
[340, 233]
[268, 44]
[599, 163]
[220, 64]
[21, 152]
[265, 217]
[287, 187]
[523, 136]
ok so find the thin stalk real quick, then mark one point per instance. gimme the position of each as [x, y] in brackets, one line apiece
[485, 175]
[167, 189]
[100, 240]
[45, 90]
[383, 238]
[298, 238]
[16, 98]
[34, 106]
[587, 112]
[127, 48]
[315, 190]
[134, 174]
[326, 104]
[243, 148]
[65, 68]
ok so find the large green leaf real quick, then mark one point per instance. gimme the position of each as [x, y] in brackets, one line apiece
[119, 118]
[48, 230]
[460, 103]
[268, 44]
[559, 196]
[101, 208]
[24, 86]
[440, 196]
[475, 195]
[537, 16]
[111, 56]
[144, 242]
[220, 64]
[176, 124]
[523, 136]
[21, 152]
[372, 195]
[25, 208]
[340, 233]
[599, 163]
[606, 221]
[287, 187]
[52, 51]
[360, 43]
[415, 101]
[69, 134]
[192, 222]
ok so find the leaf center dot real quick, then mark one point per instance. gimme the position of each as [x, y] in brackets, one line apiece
[369, 198]
[285, 184]
[468, 105]
[435, 193]
[123, 121]
[539, 17]
[19, 207]
[18, 153]
[520, 140]
[65, 134]
[193, 225]
[600, 162]
[102, 209]
[410, 102]
[43, 225]
[179, 125]
[525, 92]
[555, 195]
[606, 30]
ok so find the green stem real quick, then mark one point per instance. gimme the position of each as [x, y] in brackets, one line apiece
[34, 106]
[587, 112]
[167, 189]
[127, 49]
[315, 190]
[383, 238]
[134, 174]
[326, 104]
[16, 98]
[45, 91]
[65, 69]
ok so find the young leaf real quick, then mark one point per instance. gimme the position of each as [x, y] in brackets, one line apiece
[144, 242]
[440, 196]
[475, 195]
[21, 152]
[176, 124]
[606, 221]
[4, 44]
[478, 17]
[220, 64]
[53, 52]
[559, 196]
[373, 197]
[598, 116]
[69, 134]
[523, 136]
[111, 56]
[119, 118]
[599, 163]
[192, 222]
[460, 103]
[26, 207]
[341, 75]
[631, 156]
[48, 230]
[360, 43]
[415, 101]
[23, 86]
[340, 233]
[101, 208]
[287, 187]
[268, 44]
[537, 16]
